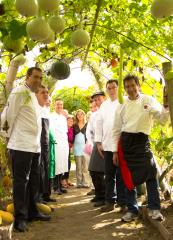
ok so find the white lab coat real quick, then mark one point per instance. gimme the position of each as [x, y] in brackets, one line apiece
[58, 125]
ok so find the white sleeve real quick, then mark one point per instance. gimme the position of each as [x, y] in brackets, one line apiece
[116, 130]
[10, 112]
[99, 128]
[89, 135]
[158, 111]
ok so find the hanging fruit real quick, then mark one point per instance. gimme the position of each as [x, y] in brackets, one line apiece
[57, 24]
[27, 7]
[162, 8]
[38, 29]
[60, 70]
[51, 37]
[12, 45]
[19, 60]
[80, 38]
[114, 62]
[49, 6]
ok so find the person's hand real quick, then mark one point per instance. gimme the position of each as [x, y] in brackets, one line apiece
[165, 97]
[100, 149]
[115, 158]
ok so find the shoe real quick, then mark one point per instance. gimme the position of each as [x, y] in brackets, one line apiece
[84, 186]
[92, 192]
[123, 209]
[64, 183]
[63, 190]
[49, 200]
[108, 207]
[20, 226]
[129, 216]
[99, 204]
[39, 217]
[70, 184]
[58, 191]
[94, 200]
[155, 215]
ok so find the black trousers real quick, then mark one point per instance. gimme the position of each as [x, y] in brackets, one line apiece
[44, 172]
[25, 166]
[99, 184]
[115, 190]
[57, 182]
[66, 174]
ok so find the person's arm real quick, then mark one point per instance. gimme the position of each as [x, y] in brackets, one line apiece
[116, 131]
[11, 111]
[159, 112]
[99, 133]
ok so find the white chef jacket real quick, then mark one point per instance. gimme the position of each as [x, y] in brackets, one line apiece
[23, 116]
[133, 117]
[104, 123]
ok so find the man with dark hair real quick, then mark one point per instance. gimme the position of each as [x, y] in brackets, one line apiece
[104, 125]
[96, 164]
[131, 146]
[45, 188]
[22, 115]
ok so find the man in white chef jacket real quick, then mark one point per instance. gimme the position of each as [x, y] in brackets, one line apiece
[103, 131]
[21, 118]
[58, 124]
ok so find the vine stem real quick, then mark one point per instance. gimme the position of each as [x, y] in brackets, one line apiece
[139, 43]
[99, 3]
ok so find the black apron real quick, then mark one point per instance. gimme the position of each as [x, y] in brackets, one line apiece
[136, 159]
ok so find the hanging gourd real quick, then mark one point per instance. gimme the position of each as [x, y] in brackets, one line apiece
[38, 29]
[60, 70]
[80, 38]
[51, 37]
[19, 60]
[13, 45]
[162, 8]
[27, 7]
[48, 5]
[57, 24]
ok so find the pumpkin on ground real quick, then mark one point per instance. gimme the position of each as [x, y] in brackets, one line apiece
[6, 216]
[44, 208]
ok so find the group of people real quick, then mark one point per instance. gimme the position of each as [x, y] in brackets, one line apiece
[110, 146]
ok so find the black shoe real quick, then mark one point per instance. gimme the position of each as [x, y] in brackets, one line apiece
[20, 226]
[94, 200]
[63, 190]
[58, 191]
[92, 192]
[49, 200]
[39, 217]
[99, 204]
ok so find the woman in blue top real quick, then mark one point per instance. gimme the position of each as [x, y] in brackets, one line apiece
[78, 148]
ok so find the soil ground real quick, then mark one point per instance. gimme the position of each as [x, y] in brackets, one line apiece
[75, 218]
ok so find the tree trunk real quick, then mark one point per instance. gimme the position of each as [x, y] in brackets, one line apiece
[167, 66]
